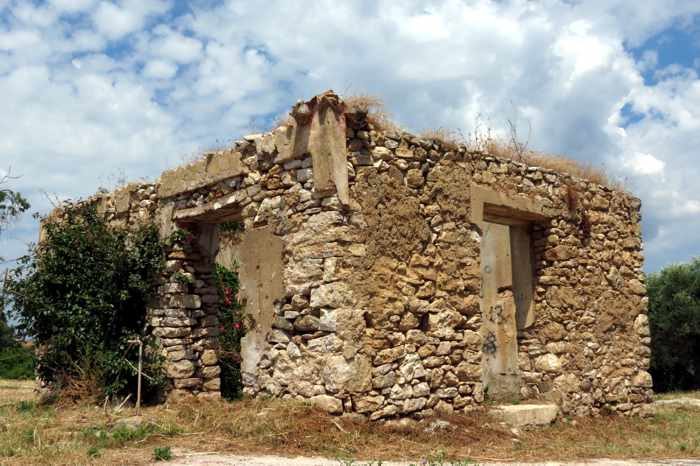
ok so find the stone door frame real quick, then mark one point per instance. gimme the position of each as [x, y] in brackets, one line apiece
[507, 283]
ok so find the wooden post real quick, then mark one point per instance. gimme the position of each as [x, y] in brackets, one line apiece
[138, 380]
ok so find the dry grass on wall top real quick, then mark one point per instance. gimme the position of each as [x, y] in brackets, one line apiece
[484, 141]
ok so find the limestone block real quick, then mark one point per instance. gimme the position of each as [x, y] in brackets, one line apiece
[327, 344]
[368, 404]
[637, 287]
[413, 404]
[412, 367]
[527, 415]
[642, 379]
[171, 332]
[209, 372]
[331, 295]
[212, 385]
[641, 325]
[351, 376]
[548, 363]
[209, 358]
[208, 170]
[307, 323]
[187, 383]
[389, 355]
[567, 383]
[327, 403]
[180, 369]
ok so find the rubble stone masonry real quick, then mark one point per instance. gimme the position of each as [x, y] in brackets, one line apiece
[390, 275]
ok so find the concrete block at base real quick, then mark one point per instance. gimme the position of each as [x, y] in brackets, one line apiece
[526, 415]
[678, 403]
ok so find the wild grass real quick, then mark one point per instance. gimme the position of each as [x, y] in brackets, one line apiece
[374, 108]
[85, 434]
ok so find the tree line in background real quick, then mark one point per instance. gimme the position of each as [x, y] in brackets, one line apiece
[674, 320]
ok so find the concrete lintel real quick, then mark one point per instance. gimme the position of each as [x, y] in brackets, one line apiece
[210, 169]
[492, 206]
[215, 211]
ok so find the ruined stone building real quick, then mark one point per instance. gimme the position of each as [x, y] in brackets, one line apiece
[390, 275]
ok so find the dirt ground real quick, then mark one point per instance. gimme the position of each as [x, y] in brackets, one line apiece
[189, 459]
[275, 432]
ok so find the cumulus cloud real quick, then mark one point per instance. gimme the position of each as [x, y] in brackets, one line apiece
[115, 20]
[644, 164]
[13, 40]
[129, 87]
[160, 69]
[72, 6]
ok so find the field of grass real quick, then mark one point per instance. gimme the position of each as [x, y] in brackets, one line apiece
[30, 434]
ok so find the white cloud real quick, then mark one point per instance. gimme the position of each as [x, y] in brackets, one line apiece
[72, 6]
[160, 69]
[644, 164]
[13, 40]
[559, 67]
[115, 22]
[118, 20]
[177, 47]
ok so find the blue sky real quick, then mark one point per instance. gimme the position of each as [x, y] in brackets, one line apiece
[98, 91]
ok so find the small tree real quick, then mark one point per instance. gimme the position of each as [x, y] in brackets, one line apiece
[16, 361]
[674, 318]
[81, 295]
[11, 203]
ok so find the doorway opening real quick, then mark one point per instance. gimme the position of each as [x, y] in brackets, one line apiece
[507, 285]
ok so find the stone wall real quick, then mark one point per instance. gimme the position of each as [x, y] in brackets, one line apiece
[373, 299]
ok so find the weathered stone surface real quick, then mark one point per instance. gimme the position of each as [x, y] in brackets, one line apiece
[362, 277]
[210, 169]
[354, 376]
[180, 369]
[527, 415]
[331, 295]
[642, 379]
[307, 323]
[327, 403]
[548, 363]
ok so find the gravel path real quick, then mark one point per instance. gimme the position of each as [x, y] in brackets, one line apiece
[203, 459]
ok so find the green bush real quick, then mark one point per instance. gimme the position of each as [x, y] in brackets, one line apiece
[16, 362]
[674, 320]
[81, 295]
[162, 454]
[232, 330]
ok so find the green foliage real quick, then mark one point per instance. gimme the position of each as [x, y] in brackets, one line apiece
[11, 205]
[232, 330]
[674, 319]
[16, 362]
[26, 406]
[162, 454]
[231, 226]
[82, 294]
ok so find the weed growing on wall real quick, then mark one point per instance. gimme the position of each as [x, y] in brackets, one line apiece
[80, 295]
[232, 330]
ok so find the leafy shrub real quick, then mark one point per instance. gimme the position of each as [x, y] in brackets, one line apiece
[16, 362]
[232, 330]
[81, 295]
[674, 319]
[162, 453]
